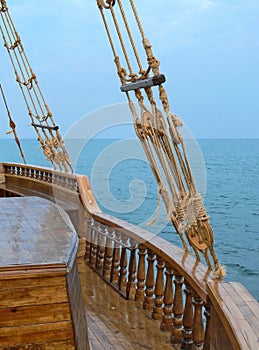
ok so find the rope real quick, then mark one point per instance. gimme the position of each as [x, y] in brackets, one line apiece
[12, 126]
[51, 142]
[161, 140]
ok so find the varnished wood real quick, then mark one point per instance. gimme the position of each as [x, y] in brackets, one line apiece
[177, 331]
[115, 323]
[187, 319]
[239, 313]
[33, 232]
[141, 274]
[40, 300]
[157, 313]
[150, 282]
[198, 327]
[108, 262]
[167, 320]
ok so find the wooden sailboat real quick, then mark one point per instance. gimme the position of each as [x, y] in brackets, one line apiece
[73, 277]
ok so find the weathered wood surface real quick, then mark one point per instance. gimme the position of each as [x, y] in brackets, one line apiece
[24, 180]
[238, 312]
[33, 232]
[41, 305]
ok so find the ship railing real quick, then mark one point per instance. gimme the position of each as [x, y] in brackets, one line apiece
[40, 175]
[199, 311]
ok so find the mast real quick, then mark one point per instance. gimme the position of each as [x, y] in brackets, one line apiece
[41, 118]
[158, 129]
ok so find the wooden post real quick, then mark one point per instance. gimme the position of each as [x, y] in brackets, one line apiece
[88, 242]
[131, 285]
[149, 291]
[187, 319]
[208, 329]
[101, 252]
[142, 251]
[177, 331]
[116, 259]
[94, 240]
[157, 313]
[167, 320]
[123, 263]
[107, 266]
[198, 328]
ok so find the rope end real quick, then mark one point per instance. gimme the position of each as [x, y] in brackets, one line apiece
[220, 272]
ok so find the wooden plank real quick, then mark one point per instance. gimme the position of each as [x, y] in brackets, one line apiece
[20, 316]
[23, 272]
[248, 307]
[77, 308]
[33, 296]
[64, 345]
[32, 282]
[11, 336]
[35, 236]
[229, 304]
[59, 345]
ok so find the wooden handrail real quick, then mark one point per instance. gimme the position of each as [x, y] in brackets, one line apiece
[176, 289]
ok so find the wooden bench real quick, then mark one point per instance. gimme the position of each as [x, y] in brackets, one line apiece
[41, 303]
[238, 311]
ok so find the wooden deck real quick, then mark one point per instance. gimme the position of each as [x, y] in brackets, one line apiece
[41, 304]
[115, 323]
[167, 288]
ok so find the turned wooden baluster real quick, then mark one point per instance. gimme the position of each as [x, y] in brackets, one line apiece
[101, 252]
[187, 319]
[131, 285]
[208, 329]
[88, 240]
[107, 266]
[116, 258]
[23, 172]
[50, 178]
[167, 320]
[94, 240]
[150, 283]
[27, 172]
[177, 331]
[157, 313]
[123, 263]
[142, 251]
[198, 328]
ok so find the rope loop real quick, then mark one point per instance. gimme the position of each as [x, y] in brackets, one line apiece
[107, 4]
[4, 7]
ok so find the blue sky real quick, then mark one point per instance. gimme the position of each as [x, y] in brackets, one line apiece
[209, 51]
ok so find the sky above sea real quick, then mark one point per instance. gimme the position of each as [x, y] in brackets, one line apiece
[208, 50]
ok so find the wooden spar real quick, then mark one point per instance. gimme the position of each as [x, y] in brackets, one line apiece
[12, 125]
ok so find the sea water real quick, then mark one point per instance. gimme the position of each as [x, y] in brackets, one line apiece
[125, 187]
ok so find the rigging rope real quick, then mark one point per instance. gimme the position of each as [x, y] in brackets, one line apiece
[12, 126]
[40, 115]
[158, 131]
